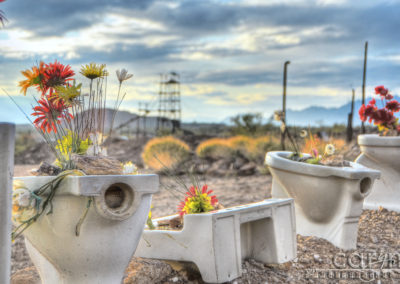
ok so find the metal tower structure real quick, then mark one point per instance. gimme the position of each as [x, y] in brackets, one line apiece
[169, 101]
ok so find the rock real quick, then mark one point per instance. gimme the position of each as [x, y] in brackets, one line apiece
[144, 271]
[317, 258]
[97, 165]
[335, 161]
[247, 169]
[26, 276]
[46, 169]
[219, 168]
[239, 163]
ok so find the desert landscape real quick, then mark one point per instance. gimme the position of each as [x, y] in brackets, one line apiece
[378, 234]
[214, 141]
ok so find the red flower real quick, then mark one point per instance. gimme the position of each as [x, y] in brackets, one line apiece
[381, 90]
[383, 117]
[49, 113]
[393, 106]
[389, 97]
[366, 112]
[56, 74]
[203, 197]
[372, 102]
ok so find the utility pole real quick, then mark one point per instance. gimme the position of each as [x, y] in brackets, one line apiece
[283, 133]
[363, 85]
[350, 119]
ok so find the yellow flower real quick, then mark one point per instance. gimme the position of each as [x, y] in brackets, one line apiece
[198, 201]
[93, 71]
[129, 169]
[68, 94]
[149, 221]
[69, 144]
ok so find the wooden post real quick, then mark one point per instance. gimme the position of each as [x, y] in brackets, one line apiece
[363, 85]
[283, 133]
[7, 144]
[350, 119]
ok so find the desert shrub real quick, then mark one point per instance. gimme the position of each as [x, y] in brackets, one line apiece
[23, 141]
[246, 124]
[262, 145]
[215, 148]
[241, 144]
[165, 152]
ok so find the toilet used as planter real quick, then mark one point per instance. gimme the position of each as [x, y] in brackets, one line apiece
[218, 241]
[382, 153]
[109, 234]
[328, 200]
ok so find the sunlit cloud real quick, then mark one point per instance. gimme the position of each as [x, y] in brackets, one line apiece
[229, 53]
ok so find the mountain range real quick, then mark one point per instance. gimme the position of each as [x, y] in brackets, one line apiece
[313, 115]
[318, 115]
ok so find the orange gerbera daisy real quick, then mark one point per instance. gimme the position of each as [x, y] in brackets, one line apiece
[35, 77]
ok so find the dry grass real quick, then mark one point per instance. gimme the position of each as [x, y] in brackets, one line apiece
[262, 145]
[253, 149]
[215, 148]
[164, 152]
[317, 143]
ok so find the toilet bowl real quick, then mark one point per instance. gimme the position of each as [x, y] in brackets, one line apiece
[328, 200]
[382, 153]
[108, 236]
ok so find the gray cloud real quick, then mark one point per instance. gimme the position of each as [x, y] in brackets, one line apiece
[53, 17]
[330, 56]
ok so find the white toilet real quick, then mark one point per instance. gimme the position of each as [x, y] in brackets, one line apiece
[109, 234]
[328, 200]
[218, 241]
[383, 154]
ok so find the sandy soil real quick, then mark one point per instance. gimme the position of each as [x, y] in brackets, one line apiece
[378, 241]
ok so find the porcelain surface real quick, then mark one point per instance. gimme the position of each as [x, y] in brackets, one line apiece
[109, 235]
[382, 153]
[328, 200]
[217, 242]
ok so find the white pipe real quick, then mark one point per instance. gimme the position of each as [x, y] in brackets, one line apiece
[7, 140]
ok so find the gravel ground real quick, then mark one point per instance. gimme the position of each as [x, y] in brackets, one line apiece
[378, 247]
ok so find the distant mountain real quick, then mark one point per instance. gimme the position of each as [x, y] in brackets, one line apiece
[317, 115]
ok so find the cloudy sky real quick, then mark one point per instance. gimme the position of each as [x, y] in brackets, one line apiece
[229, 53]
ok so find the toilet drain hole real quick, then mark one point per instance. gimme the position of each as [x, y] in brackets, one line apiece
[365, 185]
[114, 197]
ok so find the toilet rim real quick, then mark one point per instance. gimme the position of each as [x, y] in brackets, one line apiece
[379, 141]
[278, 160]
[93, 185]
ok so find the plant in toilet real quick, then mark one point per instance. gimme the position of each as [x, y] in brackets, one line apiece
[381, 112]
[71, 119]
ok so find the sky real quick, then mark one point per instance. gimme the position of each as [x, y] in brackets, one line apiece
[229, 53]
